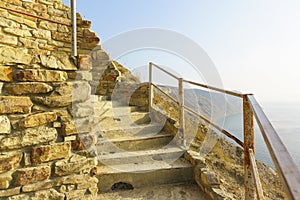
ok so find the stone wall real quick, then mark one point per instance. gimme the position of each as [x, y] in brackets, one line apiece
[42, 155]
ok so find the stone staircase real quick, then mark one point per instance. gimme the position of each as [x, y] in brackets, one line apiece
[134, 151]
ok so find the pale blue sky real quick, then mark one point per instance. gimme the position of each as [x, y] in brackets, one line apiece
[254, 44]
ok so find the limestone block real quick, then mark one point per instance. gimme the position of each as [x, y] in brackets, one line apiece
[63, 29]
[48, 194]
[38, 119]
[41, 185]
[12, 104]
[28, 43]
[39, 8]
[8, 23]
[47, 47]
[74, 165]
[19, 197]
[68, 126]
[31, 175]
[75, 194]
[11, 55]
[42, 34]
[28, 137]
[42, 194]
[10, 192]
[7, 39]
[64, 37]
[5, 126]
[92, 181]
[75, 179]
[56, 12]
[85, 62]
[41, 75]
[57, 62]
[50, 152]
[6, 74]
[54, 101]
[22, 20]
[85, 24]
[28, 88]
[48, 25]
[17, 32]
[9, 162]
[4, 181]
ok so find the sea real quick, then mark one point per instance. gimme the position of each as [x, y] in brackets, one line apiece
[285, 118]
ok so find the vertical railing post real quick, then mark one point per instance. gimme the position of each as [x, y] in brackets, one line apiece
[150, 87]
[74, 28]
[248, 144]
[181, 113]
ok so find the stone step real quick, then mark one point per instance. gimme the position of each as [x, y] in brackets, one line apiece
[144, 174]
[134, 131]
[121, 142]
[108, 118]
[171, 153]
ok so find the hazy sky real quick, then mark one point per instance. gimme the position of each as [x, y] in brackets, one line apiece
[254, 44]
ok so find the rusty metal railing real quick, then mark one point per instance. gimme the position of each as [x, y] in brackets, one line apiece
[284, 163]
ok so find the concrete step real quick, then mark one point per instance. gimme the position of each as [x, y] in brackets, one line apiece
[121, 142]
[171, 153]
[120, 120]
[181, 191]
[144, 174]
[132, 131]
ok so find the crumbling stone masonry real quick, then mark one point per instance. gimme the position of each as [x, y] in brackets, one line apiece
[41, 153]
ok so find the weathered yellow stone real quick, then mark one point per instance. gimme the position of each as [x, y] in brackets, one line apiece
[9, 162]
[57, 61]
[12, 104]
[28, 88]
[22, 20]
[54, 101]
[41, 33]
[38, 119]
[50, 152]
[6, 74]
[47, 47]
[10, 192]
[68, 127]
[11, 55]
[64, 37]
[17, 32]
[39, 8]
[8, 23]
[31, 175]
[41, 75]
[8, 39]
[75, 164]
[48, 25]
[28, 137]
[28, 43]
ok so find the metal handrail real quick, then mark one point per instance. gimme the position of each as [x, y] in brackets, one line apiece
[36, 16]
[284, 163]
